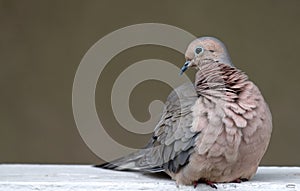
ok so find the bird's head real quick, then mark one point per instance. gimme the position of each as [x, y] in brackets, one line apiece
[205, 50]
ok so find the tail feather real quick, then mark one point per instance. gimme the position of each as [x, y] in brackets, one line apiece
[129, 163]
[121, 167]
[106, 165]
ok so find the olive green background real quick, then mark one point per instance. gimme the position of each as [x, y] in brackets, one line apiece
[43, 41]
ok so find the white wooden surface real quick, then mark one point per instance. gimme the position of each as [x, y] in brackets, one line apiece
[84, 177]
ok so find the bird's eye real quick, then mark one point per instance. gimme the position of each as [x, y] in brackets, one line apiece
[198, 50]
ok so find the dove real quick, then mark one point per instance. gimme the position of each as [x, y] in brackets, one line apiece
[213, 131]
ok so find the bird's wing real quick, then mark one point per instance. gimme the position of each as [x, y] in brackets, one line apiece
[172, 142]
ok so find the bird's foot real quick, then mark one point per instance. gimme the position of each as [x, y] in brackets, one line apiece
[239, 180]
[195, 183]
[209, 183]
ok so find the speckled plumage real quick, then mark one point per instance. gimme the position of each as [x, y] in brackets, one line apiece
[217, 129]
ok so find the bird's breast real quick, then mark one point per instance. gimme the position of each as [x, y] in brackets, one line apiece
[232, 130]
[233, 136]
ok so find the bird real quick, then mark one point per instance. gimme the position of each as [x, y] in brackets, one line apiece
[215, 130]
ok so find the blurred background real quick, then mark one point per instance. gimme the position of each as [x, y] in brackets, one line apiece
[43, 42]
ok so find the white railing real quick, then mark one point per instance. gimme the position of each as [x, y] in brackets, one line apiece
[84, 177]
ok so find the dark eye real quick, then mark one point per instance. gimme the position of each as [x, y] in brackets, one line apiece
[198, 50]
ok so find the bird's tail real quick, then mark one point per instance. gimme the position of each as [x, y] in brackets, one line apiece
[124, 163]
[131, 162]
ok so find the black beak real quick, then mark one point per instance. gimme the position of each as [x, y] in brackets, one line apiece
[184, 67]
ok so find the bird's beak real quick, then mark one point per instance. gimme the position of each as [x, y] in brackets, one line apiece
[185, 67]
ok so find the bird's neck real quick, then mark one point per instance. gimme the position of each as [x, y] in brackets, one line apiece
[220, 80]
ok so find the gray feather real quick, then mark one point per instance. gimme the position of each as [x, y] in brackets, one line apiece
[172, 142]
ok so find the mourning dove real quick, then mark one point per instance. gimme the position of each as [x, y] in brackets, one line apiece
[215, 130]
